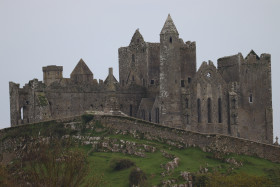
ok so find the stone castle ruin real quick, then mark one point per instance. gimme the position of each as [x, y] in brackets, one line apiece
[159, 82]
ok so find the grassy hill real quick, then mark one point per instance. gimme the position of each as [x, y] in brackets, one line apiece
[106, 148]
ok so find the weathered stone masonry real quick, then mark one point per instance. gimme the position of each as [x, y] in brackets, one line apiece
[152, 131]
[159, 82]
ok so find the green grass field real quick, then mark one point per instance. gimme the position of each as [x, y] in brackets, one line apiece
[192, 159]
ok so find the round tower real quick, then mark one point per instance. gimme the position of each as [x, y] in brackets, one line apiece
[170, 75]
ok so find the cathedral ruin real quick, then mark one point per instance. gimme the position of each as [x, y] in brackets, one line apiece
[160, 83]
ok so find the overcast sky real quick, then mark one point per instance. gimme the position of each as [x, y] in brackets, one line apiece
[37, 33]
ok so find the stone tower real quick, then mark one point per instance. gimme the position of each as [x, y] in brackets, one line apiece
[170, 75]
[52, 74]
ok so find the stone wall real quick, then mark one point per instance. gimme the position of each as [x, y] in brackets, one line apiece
[152, 131]
[207, 142]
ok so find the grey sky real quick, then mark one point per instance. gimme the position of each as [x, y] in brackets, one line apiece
[49, 32]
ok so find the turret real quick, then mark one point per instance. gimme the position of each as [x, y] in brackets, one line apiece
[52, 74]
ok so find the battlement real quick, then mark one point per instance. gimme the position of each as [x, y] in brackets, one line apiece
[265, 56]
[190, 44]
[53, 68]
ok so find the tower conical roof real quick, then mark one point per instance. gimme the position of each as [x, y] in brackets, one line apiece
[169, 26]
[81, 69]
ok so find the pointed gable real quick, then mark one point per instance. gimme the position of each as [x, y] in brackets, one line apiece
[252, 53]
[137, 38]
[81, 69]
[111, 82]
[169, 26]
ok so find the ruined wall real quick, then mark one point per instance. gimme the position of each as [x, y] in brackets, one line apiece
[14, 103]
[133, 61]
[209, 101]
[72, 100]
[207, 142]
[229, 67]
[255, 111]
[28, 104]
[153, 69]
[188, 62]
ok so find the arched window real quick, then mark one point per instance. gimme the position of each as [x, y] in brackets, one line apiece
[170, 39]
[187, 103]
[130, 110]
[209, 110]
[220, 110]
[198, 111]
[157, 115]
[143, 115]
[21, 113]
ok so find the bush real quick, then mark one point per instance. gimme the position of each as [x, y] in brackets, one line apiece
[137, 178]
[53, 164]
[200, 180]
[87, 118]
[120, 164]
[5, 177]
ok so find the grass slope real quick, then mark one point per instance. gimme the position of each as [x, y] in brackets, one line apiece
[191, 159]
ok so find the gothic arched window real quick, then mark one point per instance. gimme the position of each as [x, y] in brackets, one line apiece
[220, 110]
[198, 111]
[209, 110]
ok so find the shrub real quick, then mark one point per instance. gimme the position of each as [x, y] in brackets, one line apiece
[200, 180]
[87, 118]
[137, 178]
[5, 177]
[53, 164]
[120, 164]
